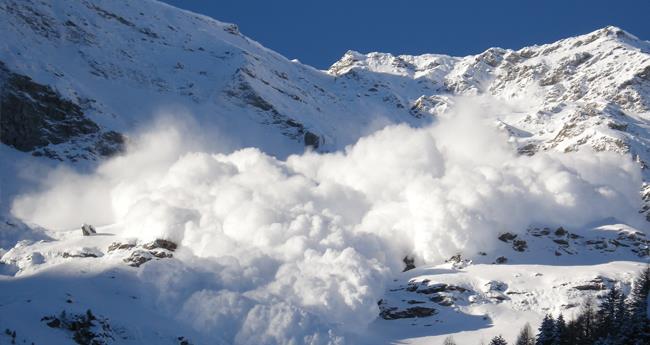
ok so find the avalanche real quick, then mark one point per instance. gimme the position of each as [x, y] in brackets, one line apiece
[249, 199]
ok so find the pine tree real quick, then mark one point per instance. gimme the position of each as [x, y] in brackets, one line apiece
[572, 332]
[560, 332]
[586, 324]
[607, 314]
[637, 328]
[621, 319]
[498, 340]
[526, 336]
[546, 329]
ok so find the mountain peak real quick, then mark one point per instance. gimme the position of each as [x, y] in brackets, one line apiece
[272, 203]
[613, 34]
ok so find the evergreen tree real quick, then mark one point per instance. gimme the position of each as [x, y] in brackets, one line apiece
[560, 332]
[621, 320]
[572, 332]
[607, 314]
[498, 340]
[586, 324]
[526, 336]
[637, 327]
[546, 330]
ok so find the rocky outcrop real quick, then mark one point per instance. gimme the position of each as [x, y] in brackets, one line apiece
[85, 329]
[34, 116]
[161, 244]
[137, 255]
[88, 230]
[243, 91]
[393, 313]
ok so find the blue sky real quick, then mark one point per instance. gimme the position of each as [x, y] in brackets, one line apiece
[319, 32]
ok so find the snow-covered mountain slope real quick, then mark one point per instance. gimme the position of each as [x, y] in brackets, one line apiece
[124, 62]
[155, 293]
[588, 90]
[223, 228]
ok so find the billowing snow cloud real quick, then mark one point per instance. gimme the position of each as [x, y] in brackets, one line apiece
[275, 252]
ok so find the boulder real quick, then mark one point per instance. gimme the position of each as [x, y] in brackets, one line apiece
[88, 230]
[409, 263]
[162, 244]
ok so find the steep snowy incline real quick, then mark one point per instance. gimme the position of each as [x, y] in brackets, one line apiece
[118, 65]
[591, 90]
[506, 182]
[122, 63]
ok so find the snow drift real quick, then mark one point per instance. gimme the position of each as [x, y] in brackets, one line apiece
[297, 250]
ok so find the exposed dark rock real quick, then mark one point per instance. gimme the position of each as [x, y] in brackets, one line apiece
[501, 260]
[617, 126]
[86, 329]
[519, 245]
[409, 263]
[161, 254]
[442, 300]
[34, 116]
[540, 232]
[243, 90]
[54, 323]
[116, 245]
[183, 341]
[412, 301]
[110, 143]
[596, 284]
[394, 313]
[160, 243]
[312, 140]
[427, 289]
[454, 259]
[88, 230]
[507, 237]
[158, 249]
[528, 149]
[79, 255]
[39, 22]
[560, 232]
[434, 288]
[590, 287]
[137, 258]
[495, 285]
[569, 305]
[231, 29]
[457, 262]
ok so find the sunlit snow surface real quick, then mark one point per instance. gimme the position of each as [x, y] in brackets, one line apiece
[282, 245]
[278, 251]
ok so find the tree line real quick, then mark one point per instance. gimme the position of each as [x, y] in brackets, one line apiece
[618, 320]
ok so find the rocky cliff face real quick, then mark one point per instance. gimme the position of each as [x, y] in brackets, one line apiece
[78, 76]
[34, 118]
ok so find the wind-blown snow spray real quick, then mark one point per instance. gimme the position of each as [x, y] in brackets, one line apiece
[298, 250]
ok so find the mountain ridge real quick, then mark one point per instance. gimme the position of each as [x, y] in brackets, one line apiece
[388, 199]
